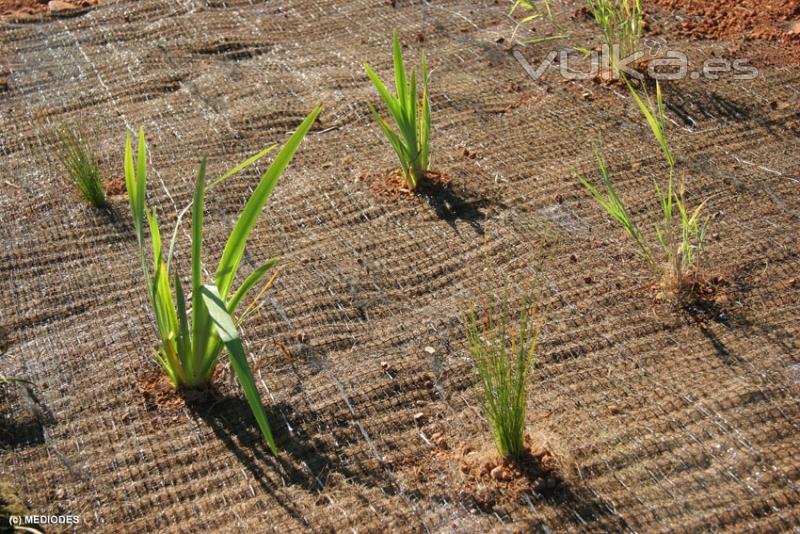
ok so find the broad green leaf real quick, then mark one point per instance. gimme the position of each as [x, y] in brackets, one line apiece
[184, 339]
[234, 248]
[198, 206]
[230, 337]
[397, 144]
[411, 123]
[425, 118]
[141, 169]
[131, 186]
[399, 69]
[388, 99]
[200, 322]
[163, 306]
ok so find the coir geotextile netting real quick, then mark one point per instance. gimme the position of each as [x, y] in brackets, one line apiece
[665, 420]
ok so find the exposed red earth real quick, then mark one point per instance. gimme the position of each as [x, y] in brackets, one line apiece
[771, 20]
[16, 9]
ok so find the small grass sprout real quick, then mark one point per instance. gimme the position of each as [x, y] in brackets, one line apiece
[411, 113]
[621, 22]
[10, 379]
[535, 13]
[680, 242]
[81, 166]
[191, 339]
[530, 6]
[504, 359]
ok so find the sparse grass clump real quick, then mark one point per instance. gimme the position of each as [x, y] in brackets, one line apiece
[192, 340]
[680, 242]
[411, 113]
[81, 166]
[503, 351]
[621, 22]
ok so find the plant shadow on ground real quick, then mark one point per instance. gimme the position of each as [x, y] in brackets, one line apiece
[693, 109]
[712, 305]
[302, 461]
[119, 219]
[450, 207]
[450, 204]
[23, 416]
[535, 477]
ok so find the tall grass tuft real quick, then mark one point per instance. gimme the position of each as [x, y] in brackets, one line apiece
[680, 242]
[81, 166]
[411, 113]
[192, 339]
[621, 22]
[503, 352]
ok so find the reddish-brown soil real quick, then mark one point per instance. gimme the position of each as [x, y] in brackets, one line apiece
[538, 469]
[391, 185]
[115, 185]
[15, 9]
[772, 20]
[159, 394]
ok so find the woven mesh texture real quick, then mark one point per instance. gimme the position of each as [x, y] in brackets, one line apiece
[671, 423]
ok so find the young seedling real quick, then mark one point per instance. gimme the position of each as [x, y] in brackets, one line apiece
[681, 242]
[191, 341]
[535, 13]
[81, 166]
[10, 379]
[621, 23]
[412, 116]
[504, 359]
[530, 5]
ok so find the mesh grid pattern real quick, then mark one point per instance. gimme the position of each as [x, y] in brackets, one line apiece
[672, 427]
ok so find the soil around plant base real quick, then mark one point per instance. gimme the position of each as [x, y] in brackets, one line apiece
[158, 393]
[115, 186]
[537, 469]
[391, 185]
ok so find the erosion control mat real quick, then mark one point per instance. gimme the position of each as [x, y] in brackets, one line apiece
[651, 418]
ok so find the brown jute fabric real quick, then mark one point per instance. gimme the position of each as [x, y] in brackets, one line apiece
[670, 420]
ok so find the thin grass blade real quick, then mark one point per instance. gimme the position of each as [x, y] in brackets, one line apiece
[243, 165]
[250, 282]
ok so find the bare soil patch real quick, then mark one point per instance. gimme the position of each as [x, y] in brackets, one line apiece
[772, 20]
[21, 9]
